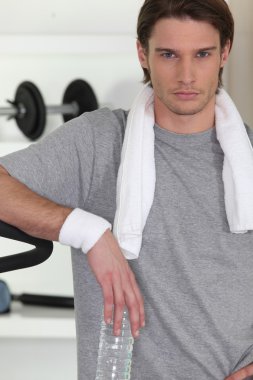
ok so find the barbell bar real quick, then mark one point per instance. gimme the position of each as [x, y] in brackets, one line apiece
[29, 110]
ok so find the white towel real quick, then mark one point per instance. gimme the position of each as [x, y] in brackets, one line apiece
[136, 177]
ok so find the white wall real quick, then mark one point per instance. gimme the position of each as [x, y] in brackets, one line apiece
[54, 42]
[63, 17]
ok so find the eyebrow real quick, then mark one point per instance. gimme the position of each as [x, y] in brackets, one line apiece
[160, 49]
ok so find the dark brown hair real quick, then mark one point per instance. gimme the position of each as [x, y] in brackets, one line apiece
[215, 12]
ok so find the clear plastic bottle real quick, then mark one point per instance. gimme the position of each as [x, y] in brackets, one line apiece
[115, 352]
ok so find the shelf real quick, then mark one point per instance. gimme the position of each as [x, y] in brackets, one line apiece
[37, 322]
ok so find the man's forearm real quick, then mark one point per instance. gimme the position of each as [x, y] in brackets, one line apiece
[28, 211]
[42, 218]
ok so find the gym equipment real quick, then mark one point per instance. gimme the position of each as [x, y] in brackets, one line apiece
[42, 251]
[31, 299]
[29, 110]
[80, 95]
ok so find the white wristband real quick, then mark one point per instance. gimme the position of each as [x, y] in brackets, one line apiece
[82, 229]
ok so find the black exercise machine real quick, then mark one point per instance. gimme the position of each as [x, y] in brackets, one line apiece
[42, 251]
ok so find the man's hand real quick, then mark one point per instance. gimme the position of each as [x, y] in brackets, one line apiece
[245, 373]
[117, 282]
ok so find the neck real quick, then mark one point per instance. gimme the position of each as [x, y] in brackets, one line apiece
[185, 124]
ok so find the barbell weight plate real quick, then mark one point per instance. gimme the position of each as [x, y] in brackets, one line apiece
[32, 123]
[81, 92]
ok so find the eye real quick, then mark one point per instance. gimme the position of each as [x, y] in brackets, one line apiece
[203, 54]
[168, 55]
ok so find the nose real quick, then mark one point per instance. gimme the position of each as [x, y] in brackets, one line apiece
[186, 71]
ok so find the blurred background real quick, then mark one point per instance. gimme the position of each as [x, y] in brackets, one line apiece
[52, 43]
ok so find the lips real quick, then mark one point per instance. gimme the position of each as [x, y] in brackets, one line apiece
[186, 95]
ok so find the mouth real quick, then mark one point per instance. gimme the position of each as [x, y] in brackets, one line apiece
[186, 95]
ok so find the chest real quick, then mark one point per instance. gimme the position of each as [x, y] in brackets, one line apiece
[186, 240]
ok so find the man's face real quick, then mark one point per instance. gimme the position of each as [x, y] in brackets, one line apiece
[184, 59]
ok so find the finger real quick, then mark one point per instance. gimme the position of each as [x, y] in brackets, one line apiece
[133, 306]
[119, 304]
[242, 374]
[125, 297]
[108, 301]
[133, 313]
[139, 299]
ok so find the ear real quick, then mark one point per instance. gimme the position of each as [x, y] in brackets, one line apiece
[142, 55]
[225, 53]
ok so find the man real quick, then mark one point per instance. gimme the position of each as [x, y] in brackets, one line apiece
[194, 276]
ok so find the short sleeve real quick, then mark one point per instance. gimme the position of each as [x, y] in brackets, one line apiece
[59, 167]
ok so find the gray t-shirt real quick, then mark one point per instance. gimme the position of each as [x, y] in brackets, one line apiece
[196, 277]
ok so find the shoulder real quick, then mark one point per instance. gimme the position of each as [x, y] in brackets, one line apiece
[106, 123]
[107, 128]
[99, 125]
[106, 115]
[102, 126]
[102, 131]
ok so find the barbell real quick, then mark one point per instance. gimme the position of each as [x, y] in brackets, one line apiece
[29, 110]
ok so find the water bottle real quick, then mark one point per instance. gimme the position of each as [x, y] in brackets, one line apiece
[115, 352]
